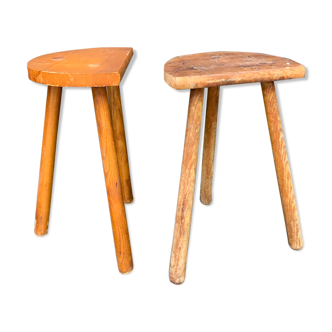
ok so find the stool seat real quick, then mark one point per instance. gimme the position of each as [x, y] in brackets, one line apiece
[203, 70]
[94, 67]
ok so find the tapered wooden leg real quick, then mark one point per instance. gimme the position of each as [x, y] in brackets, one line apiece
[209, 144]
[112, 179]
[282, 167]
[120, 141]
[44, 195]
[178, 262]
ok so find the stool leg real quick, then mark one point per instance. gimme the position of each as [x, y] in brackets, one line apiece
[44, 195]
[287, 195]
[178, 262]
[120, 141]
[112, 179]
[209, 144]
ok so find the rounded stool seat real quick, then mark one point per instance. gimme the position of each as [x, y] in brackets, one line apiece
[94, 67]
[203, 70]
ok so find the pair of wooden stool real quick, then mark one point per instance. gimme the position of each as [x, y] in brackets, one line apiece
[102, 69]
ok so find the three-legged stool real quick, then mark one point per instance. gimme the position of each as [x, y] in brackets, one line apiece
[211, 70]
[101, 69]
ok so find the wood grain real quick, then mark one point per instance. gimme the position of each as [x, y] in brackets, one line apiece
[179, 253]
[81, 68]
[282, 166]
[112, 179]
[224, 68]
[114, 98]
[209, 144]
[52, 113]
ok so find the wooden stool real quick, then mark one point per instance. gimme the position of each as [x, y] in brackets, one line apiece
[101, 69]
[211, 70]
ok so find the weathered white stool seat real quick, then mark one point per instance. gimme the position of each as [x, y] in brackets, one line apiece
[204, 70]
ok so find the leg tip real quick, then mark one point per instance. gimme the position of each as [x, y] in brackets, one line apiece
[128, 201]
[296, 246]
[124, 271]
[176, 280]
[205, 201]
[40, 234]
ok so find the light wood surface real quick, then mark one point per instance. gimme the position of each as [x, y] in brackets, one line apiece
[178, 262]
[53, 103]
[112, 179]
[114, 98]
[81, 68]
[282, 167]
[224, 68]
[209, 144]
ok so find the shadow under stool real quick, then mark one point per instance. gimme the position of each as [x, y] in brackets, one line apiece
[102, 70]
[212, 70]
